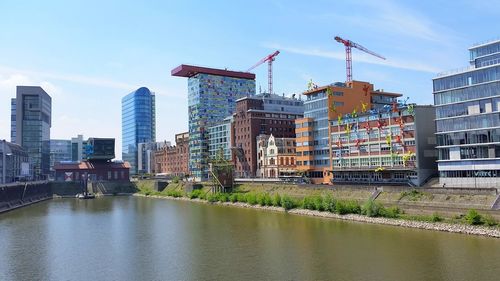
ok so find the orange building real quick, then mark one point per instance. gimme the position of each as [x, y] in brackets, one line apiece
[173, 160]
[322, 106]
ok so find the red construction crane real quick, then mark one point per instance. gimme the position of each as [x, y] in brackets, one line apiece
[269, 59]
[348, 58]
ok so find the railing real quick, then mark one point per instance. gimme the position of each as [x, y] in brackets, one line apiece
[455, 71]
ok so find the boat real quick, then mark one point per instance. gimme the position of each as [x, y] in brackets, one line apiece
[85, 196]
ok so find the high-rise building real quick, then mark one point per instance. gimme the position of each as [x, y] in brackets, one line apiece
[212, 95]
[13, 120]
[468, 120]
[78, 149]
[138, 124]
[323, 105]
[32, 127]
[60, 151]
[261, 114]
[220, 139]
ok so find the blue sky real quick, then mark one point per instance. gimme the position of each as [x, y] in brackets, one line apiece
[88, 54]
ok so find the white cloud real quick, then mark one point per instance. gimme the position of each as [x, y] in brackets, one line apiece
[358, 57]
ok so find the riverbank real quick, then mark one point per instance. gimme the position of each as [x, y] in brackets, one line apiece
[436, 226]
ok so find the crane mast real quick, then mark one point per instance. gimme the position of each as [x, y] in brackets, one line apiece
[269, 59]
[348, 54]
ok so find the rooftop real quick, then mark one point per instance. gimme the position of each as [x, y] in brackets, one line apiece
[184, 70]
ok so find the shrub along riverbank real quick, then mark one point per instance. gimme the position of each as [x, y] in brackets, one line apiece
[322, 203]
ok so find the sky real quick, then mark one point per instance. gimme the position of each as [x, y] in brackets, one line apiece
[88, 54]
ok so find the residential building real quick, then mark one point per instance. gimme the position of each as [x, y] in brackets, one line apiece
[212, 95]
[261, 114]
[146, 156]
[14, 163]
[275, 157]
[388, 146]
[174, 160]
[468, 120]
[220, 139]
[32, 127]
[138, 124]
[60, 151]
[325, 104]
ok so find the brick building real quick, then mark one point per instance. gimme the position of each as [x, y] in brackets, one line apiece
[261, 114]
[174, 160]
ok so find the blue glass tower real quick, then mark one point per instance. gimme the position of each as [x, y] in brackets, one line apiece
[138, 123]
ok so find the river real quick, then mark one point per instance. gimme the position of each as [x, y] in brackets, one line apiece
[134, 238]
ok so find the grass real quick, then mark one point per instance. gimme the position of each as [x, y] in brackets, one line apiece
[319, 201]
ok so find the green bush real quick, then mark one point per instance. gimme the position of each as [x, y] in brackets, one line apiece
[251, 198]
[412, 195]
[308, 203]
[473, 217]
[174, 193]
[194, 194]
[264, 199]
[318, 203]
[489, 220]
[372, 209]
[213, 197]
[222, 197]
[287, 202]
[233, 197]
[347, 207]
[277, 200]
[241, 197]
[329, 203]
[391, 212]
[436, 217]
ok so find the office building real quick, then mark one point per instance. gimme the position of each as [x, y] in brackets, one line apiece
[261, 114]
[468, 120]
[60, 151]
[212, 95]
[14, 163]
[394, 145]
[32, 127]
[13, 120]
[325, 104]
[138, 124]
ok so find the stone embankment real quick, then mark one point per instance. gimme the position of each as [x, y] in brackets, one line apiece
[437, 226]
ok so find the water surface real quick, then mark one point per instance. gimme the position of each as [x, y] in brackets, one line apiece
[130, 238]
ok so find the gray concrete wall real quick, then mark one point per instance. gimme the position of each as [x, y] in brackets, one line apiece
[425, 140]
[17, 195]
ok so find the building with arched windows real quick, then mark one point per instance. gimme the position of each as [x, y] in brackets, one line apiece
[275, 157]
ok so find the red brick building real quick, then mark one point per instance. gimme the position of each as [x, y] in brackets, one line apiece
[174, 160]
[261, 114]
[95, 170]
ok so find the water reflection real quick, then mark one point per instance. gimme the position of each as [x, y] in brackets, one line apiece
[127, 238]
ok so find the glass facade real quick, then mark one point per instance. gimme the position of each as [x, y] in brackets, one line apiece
[316, 107]
[468, 118]
[211, 98]
[60, 150]
[33, 122]
[138, 124]
[219, 138]
[13, 120]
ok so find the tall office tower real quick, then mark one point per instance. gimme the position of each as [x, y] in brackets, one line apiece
[33, 122]
[212, 95]
[13, 120]
[468, 120]
[138, 124]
